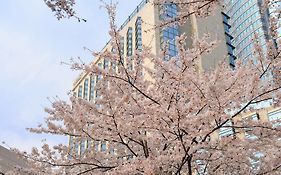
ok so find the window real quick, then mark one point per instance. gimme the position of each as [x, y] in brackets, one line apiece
[98, 77]
[97, 94]
[86, 88]
[82, 146]
[228, 38]
[130, 66]
[80, 91]
[255, 161]
[138, 34]
[97, 145]
[129, 41]
[113, 65]
[77, 148]
[275, 118]
[92, 87]
[230, 48]
[232, 59]
[226, 130]
[100, 65]
[122, 47]
[248, 129]
[103, 146]
[168, 11]
[226, 27]
[105, 64]
[71, 142]
[129, 157]
[112, 151]
[201, 167]
[89, 143]
[169, 34]
[225, 17]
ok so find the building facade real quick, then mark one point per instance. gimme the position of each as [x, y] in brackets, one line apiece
[139, 30]
[246, 19]
[235, 28]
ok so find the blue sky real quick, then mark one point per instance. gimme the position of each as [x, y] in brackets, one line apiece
[32, 45]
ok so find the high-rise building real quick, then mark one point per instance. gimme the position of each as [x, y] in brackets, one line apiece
[139, 30]
[246, 19]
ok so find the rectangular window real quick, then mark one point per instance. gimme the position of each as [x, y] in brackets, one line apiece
[113, 65]
[97, 94]
[122, 47]
[105, 64]
[71, 142]
[230, 48]
[86, 88]
[103, 146]
[92, 87]
[97, 145]
[129, 157]
[248, 129]
[98, 77]
[129, 41]
[168, 34]
[255, 161]
[82, 147]
[138, 33]
[112, 151]
[77, 148]
[201, 166]
[226, 27]
[89, 143]
[228, 38]
[80, 91]
[226, 130]
[275, 118]
[100, 65]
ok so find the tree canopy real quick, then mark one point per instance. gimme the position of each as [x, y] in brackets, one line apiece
[165, 119]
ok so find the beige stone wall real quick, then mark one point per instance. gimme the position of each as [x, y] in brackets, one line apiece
[212, 25]
[150, 38]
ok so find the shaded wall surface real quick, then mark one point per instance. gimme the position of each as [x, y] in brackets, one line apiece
[9, 160]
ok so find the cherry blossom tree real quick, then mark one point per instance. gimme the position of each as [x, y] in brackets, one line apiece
[63, 9]
[165, 118]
